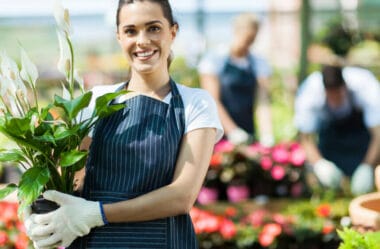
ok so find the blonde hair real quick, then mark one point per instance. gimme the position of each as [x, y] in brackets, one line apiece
[246, 20]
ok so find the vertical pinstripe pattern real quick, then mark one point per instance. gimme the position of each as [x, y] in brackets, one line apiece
[133, 152]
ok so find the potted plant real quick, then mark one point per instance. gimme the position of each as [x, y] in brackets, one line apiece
[48, 138]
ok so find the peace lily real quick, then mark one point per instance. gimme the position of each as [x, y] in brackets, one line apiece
[48, 145]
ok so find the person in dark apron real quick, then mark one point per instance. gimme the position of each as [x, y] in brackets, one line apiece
[344, 142]
[237, 87]
[144, 169]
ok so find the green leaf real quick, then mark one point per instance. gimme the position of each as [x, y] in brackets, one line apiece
[102, 107]
[72, 157]
[32, 183]
[63, 132]
[12, 155]
[74, 106]
[18, 126]
[10, 188]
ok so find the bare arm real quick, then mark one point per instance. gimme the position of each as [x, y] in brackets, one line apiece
[313, 154]
[211, 83]
[177, 197]
[372, 156]
[263, 109]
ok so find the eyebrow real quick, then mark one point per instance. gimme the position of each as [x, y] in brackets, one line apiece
[146, 24]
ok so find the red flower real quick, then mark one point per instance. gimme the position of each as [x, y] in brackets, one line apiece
[328, 228]
[278, 172]
[22, 241]
[230, 212]
[256, 218]
[227, 229]
[269, 234]
[323, 210]
[216, 160]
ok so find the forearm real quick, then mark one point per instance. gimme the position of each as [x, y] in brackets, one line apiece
[313, 154]
[372, 157]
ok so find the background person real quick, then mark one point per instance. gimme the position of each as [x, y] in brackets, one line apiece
[337, 115]
[238, 80]
[148, 161]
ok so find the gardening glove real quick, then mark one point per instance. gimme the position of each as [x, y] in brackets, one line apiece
[238, 136]
[74, 218]
[29, 224]
[362, 180]
[328, 173]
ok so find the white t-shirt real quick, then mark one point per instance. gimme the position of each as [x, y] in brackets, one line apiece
[311, 98]
[213, 63]
[200, 107]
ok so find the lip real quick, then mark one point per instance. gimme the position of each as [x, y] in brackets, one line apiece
[144, 55]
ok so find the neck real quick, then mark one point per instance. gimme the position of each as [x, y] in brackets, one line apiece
[150, 84]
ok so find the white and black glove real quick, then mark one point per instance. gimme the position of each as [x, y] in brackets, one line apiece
[74, 218]
[238, 136]
[29, 225]
[328, 173]
[362, 180]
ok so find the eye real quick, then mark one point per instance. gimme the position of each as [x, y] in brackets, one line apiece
[129, 31]
[154, 28]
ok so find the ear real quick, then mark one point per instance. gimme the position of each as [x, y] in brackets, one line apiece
[174, 30]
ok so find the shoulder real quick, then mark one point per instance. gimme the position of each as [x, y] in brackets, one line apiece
[359, 78]
[260, 65]
[213, 61]
[103, 89]
[192, 96]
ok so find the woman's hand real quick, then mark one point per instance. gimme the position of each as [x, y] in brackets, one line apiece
[74, 218]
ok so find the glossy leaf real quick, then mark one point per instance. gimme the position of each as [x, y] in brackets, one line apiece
[72, 157]
[10, 188]
[32, 183]
[102, 106]
[74, 106]
[12, 155]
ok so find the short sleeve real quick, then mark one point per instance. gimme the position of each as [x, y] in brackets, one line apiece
[200, 111]
[211, 63]
[261, 67]
[308, 104]
[366, 90]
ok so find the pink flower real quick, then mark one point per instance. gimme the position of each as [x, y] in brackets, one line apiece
[297, 157]
[237, 193]
[278, 172]
[266, 239]
[3, 238]
[227, 229]
[269, 233]
[224, 146]
[280, 154]
[256, 218]
[266, 163]
[207, 195]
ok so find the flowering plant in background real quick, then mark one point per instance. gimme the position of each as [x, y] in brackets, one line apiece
[240, 172]
[12, 231]
[297, 224]
[48, 146]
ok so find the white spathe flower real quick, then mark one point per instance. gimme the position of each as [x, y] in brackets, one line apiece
[8, 66]
[64, 62]
[29, 71]
[79, 79]
[62, 17]
[65, 93]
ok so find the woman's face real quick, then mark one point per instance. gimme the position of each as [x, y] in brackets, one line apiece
[145, 36]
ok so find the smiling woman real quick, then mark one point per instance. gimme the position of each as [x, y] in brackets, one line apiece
[147, 161]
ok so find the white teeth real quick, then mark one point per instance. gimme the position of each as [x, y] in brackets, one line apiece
[144, 54]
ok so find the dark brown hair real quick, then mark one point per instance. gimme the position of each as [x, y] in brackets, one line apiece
[165, 6]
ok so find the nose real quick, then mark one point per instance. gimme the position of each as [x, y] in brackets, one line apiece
[143, 39]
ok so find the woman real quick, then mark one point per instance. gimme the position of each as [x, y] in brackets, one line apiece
[238, 80]
[147, 162]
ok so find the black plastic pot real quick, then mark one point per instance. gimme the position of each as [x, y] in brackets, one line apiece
[43, 206]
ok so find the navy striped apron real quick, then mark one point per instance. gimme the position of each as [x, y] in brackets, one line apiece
[133, 152]
[344, 141]
[237, 92]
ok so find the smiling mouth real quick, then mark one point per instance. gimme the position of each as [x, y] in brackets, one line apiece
[145, 55]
